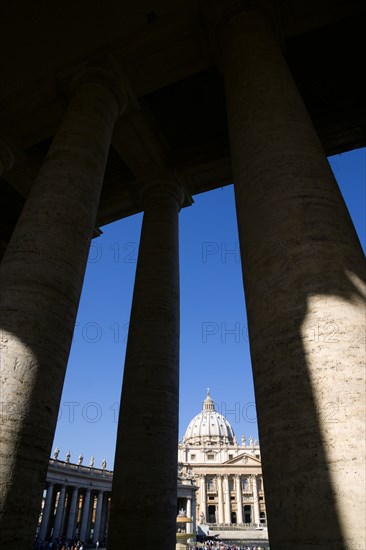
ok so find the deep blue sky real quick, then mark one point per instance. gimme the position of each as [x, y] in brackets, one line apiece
[214, 342]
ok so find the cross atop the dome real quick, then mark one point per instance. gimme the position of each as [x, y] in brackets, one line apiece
[208, 392]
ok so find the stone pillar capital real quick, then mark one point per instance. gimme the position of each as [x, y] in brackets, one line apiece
[104, 72]
[218, 16]
[168, 185]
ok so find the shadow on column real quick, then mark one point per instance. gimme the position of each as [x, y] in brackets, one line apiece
[300, 491]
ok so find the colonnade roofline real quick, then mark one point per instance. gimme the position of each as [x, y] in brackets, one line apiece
[176, 64]
[72, 468]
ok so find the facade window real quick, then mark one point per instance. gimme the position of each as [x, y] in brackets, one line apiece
[231, 456]
[210, 457]
[247, 513]
[246, 485]
[262, 517]
[231, 484]
[210, 484]
[193, 457]
[212, 513]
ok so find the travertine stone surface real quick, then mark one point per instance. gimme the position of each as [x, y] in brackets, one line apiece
[41, 277]
[144, 501]
[303, 271]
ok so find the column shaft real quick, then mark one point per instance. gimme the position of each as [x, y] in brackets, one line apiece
[203, 519]
[46, 513]
[104, 520]
[70, 530]
[304, 270]
[98, 517]
[41, 277]
[220, 500]
[239, 500]
[255, 500]
[149, 402]
[194, 512]
[227, 499]
[59, 514]
[189, 514]
[85, 516]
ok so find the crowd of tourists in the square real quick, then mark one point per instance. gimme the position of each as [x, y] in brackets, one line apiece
[211, 545]
[64, 545]
[79, 545]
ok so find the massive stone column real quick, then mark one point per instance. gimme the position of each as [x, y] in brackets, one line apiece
[70, 530]
[189, 514]
[41, 277]
[203, 503]
[105, 516]
[227, 507]
[59, 513]
[43, 531]
[255, 500]
[220, 499]
[6, 154]
[194, 512]
[98, 517]
[239, 500]
[85, 515]
[148, 420]
[303, 271]
[6, 163]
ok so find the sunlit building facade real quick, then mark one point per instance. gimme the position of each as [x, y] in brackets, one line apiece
[228, 473]
[220, 486]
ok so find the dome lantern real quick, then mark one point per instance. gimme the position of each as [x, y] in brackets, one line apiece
[209, 427]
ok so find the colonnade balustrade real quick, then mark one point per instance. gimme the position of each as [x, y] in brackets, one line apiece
[74, 512]
[77, 500]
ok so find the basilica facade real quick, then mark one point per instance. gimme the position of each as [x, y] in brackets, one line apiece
[219, 486]
[228, 473]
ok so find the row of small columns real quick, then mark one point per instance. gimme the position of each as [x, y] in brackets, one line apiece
[224, 500]
[303, 267]
[73, 492]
